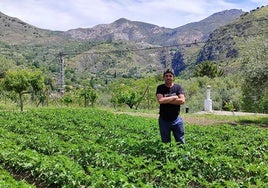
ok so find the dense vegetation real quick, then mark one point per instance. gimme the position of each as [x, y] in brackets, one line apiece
[226, 93]
[125, 92]
[88, 147]
[126, 72]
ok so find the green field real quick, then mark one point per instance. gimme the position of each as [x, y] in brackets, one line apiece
[76, 147]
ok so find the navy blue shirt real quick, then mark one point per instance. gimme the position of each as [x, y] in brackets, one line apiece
[169, 112]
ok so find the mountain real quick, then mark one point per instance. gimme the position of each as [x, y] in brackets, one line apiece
[122, 29]
[124, 48]
[127, 30]
[199, 31]
[14, 31]
[233, 43]
[149, 35]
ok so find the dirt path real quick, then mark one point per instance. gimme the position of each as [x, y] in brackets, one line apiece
[187, 119]
[199, 119]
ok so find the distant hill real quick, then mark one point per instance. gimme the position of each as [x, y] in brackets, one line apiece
[14, 31]
[244, 37]
[199, 31]
[127, 30]
[149, 35]
[127, 48]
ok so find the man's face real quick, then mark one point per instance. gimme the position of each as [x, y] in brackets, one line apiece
[168, 77]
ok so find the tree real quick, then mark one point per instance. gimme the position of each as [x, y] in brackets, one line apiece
[5, 64]
[23, 82]
[255, 92]
[208, 69]
[89, 95]
[67, 99]
[124, 94]
[255, 74]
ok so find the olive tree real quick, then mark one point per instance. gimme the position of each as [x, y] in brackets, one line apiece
[125, 94]
[89, 95]
[23, 82]
[255, 92]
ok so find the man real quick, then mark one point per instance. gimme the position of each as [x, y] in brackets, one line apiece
[170, 96]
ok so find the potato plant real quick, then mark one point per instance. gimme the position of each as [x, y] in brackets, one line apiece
[89, 147]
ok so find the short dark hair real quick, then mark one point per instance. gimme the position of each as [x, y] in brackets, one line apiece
[169, 71]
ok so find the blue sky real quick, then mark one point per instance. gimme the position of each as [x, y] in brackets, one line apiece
[71, 14]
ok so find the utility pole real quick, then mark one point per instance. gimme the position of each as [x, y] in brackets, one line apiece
[61, 80]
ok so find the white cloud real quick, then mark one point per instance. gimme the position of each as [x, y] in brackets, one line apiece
[71, 14]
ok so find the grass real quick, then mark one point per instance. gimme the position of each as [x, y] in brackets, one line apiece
[201, 119]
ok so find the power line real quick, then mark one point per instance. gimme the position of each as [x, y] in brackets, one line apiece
[131, 50]
[149, 48]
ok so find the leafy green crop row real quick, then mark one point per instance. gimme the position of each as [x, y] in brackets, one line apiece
[93, 148]
[7, 181]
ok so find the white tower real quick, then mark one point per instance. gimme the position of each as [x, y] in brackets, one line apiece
[208, 101]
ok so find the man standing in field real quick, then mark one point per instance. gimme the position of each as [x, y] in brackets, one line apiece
[170, 96]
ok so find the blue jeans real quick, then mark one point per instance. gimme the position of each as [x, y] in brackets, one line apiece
[176, 127]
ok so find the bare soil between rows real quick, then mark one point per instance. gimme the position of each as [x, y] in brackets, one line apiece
[202, 121]
[188, 120]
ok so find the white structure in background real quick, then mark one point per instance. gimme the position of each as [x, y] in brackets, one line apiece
[208, 101]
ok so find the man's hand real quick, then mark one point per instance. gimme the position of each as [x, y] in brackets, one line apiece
[175, 99]
[179, 101]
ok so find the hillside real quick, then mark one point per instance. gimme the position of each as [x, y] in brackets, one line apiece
[146, 35]
[14, 31]
[233, 43]
[123, 48]
[127, 30]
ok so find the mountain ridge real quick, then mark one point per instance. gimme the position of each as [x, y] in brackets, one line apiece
[121, 42]
[15, 31]
[124, 29]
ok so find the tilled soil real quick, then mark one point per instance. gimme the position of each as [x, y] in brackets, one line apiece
[187, 119]
[202, 121]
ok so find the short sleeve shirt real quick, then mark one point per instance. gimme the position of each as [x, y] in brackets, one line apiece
[169, 112]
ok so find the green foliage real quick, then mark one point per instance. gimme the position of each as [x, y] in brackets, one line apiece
[138, 93]
[89, 95]
[75, 147]
[241, 38]
[5, 64]
[224, 91]
[7, 180]
[226, 94]
[17, 81]
[67, 99]
[22, 82]
[124, 94]
[255, 86]
[208, 69]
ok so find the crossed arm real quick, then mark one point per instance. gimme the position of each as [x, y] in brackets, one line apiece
[176, 99]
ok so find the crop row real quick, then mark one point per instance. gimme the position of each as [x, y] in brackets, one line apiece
[93, 148]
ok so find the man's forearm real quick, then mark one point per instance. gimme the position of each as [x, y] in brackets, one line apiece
[177, 101]
[167, 100]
